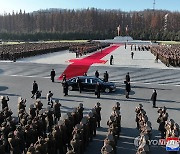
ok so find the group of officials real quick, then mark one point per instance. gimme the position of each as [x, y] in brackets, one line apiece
[41, 130]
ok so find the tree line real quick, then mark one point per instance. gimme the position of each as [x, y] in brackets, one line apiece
[92, 23]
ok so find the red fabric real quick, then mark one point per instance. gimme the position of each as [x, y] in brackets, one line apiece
[80, 66]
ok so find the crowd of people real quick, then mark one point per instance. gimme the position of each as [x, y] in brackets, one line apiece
[44, 131]
[114, 124]
[16, 51]
[83, 49]
[168, 54]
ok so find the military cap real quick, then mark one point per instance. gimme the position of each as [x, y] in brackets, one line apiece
[98, 104]
[171, 121]
[140, 105]
[176, 125]
[117, 103]
[56, 101]
[80, 105]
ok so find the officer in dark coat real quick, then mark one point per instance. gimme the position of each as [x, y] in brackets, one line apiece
[106, 76]
[57, 111]
[51, 144]
[111, 60]
[98, 113]
[97, 89]
[128, 89]
[153, 98]
[127, 77]
[65, 87]
[53, 74]
[35, 89]
[132, 55]
[79, 83]
[97, 74]
[4, 101]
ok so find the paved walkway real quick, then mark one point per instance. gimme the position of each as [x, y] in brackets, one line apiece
[122, 58]
[16, 80]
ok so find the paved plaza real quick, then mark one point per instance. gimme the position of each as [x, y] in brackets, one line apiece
[16, 80]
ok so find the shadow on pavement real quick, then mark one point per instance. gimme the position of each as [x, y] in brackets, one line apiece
[2, 88]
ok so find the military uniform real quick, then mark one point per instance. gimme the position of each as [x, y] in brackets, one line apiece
[4, 101]
[98, 113]
[65, 87]
[53, 74]
[57, 111]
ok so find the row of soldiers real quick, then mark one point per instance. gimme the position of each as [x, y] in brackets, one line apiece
[83, 49]
[168, 128]
[168, 54]
[145, 130]
[114, 124]
[35, 132]
[16, 51]
[140, 48]
[84, 132]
